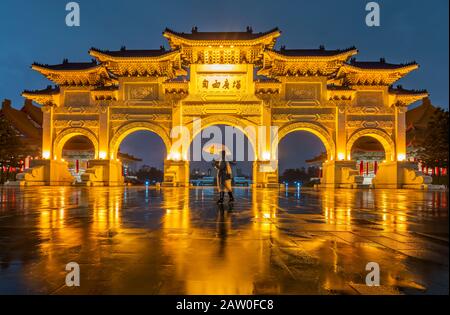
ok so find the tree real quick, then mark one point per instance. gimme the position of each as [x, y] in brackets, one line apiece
[434, 149]
[147, 173]
[291, 175]
[12, 151]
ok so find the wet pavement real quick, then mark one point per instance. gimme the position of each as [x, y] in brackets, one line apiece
[137, 240]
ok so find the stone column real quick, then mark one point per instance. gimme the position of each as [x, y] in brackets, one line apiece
[265, 168]
[341, 136]
[176, 165]
[47, 131]
[103, 133]
[400, 132]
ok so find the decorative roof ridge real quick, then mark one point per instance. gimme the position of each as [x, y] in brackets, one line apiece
[134, 53]
[400, 90]
[333, 86]
[112, 87]
[381, 63]
[48, 90]
[267, 80]
[283, 50]
[248, 31]
[68, 66]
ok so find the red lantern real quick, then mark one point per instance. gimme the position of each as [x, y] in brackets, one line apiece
[367, 168]
[361, 168]
[375, 167]
[77, 166]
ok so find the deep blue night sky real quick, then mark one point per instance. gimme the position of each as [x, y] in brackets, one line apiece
[410, 30]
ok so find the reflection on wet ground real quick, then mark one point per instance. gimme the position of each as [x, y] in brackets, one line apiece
[178, 241]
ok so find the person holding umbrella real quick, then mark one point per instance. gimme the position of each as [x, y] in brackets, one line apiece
[224, 176]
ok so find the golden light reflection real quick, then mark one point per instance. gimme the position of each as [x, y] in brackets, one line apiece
[181, 237]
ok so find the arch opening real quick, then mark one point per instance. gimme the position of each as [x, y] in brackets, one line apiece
[301, 167]
[77, 151]
[316, 130]
[130, 128]
[369, 153]
[206, 145]
[142, 153]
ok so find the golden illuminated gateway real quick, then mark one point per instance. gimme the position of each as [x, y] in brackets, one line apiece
[326, 92]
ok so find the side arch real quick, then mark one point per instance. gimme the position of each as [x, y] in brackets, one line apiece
[66, 134]
[380, 135]
[128, 128]
[315, 129]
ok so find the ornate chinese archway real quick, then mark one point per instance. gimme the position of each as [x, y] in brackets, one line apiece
[318, 90]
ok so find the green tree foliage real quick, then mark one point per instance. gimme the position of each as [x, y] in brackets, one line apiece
[299, 174]
[434, 149]
[147, 173]
[12, 150]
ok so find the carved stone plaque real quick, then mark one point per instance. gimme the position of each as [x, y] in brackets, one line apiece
[370, 98]
[142, 92]
[76, 99]
[302, 91]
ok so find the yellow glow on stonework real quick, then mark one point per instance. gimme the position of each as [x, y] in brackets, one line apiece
[46, 154]
[266, 156]
[102, 155]
[401, 157]
[220, 67]
[341, 156]
[174, 156]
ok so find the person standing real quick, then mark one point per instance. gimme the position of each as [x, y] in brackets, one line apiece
[224, 176]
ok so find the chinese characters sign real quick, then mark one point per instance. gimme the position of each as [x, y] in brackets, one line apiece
[221, 83]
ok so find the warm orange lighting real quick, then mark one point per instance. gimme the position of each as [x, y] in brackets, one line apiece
[46, 154]
[341, 156]
[401, 157]
[174, 156]
[102, 155]
[220, 67]
[266, 156]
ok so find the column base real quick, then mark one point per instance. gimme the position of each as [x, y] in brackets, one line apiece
[46, 172]
[103, 173]
[176, 174]
[340, 174]
[265, 174]
[401, 174]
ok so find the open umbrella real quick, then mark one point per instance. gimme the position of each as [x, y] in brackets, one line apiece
[216, 149]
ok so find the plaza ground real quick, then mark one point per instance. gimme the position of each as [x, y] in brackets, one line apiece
[140, 240]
